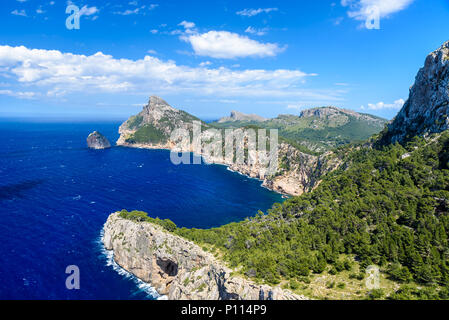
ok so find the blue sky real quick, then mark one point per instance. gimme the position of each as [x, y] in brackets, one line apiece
[211, 57]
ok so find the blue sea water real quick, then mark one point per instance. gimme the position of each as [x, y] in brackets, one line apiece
[55, 196]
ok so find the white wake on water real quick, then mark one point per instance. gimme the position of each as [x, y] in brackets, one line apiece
[141, 285]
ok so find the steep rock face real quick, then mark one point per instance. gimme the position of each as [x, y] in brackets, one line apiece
[239, 116]
[96, 140]
[427, 108]
[152, 127]
[178, 268]
[154, 124]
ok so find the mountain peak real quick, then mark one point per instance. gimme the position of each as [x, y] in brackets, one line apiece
[240, 116]
[332, 111]
[427, 108]
[320, 112]
[156, 102]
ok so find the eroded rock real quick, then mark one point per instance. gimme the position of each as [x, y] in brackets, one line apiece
[178, 268]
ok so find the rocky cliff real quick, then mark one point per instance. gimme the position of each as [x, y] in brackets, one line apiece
[152, 127]
[96, 140]
[178, 268]
[427, 108]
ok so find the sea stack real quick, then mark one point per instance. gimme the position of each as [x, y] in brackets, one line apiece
[97, 141]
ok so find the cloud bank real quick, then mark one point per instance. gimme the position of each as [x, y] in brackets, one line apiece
[52, 73]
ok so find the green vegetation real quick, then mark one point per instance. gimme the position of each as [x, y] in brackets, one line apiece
[140, 216]
[387, 206]
[315, 135]
[135, 121]
[147, 133]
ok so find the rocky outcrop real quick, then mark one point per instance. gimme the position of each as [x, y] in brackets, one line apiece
[427, 108]
[151, 129]
[331, 111]
[239, 116]
[96, 140]
[177, 268]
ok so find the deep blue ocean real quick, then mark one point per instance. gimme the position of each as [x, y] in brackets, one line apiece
[55, 196]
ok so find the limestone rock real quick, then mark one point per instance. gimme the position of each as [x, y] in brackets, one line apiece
[151, 129]
[427, 108]
[96, 140]
[240, 116]
[178, 268]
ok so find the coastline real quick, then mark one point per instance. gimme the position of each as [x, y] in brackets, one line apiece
[176, 268]
[143, 286]
[264, 182]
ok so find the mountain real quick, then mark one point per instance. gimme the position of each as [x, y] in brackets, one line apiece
[296, 173]
[427, 109]
[239, 116]
[318, 130]
[300, 169]
[154, 124]
[385, 207]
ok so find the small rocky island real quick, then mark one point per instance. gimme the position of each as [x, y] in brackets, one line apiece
[97, 141]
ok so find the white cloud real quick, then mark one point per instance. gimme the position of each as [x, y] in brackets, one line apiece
[88, 11]
[54, 74]
[18, 94]
[382, 106]
[257, 32]
[189, 28]
[361, 9]
[187, 24]
[255, 12]
[228, 45]
[19, 13]
[138, 10]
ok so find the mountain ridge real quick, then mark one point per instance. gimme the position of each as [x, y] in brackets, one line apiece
[299, 169]
[386, 208]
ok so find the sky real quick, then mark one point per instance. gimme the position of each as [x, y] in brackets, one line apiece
[211, 57]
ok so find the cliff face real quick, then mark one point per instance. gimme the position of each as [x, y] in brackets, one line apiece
[152, 127]
[96, 140]
[427, 108]
[178, 268]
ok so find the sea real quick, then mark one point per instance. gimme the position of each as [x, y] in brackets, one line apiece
[56, 194]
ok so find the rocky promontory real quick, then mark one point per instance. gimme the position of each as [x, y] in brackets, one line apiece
[151, 129]
[178, 268]
[97, 141]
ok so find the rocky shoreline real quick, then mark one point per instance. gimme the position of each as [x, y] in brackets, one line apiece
[296, 172]
[178, 268]
[295, 182]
